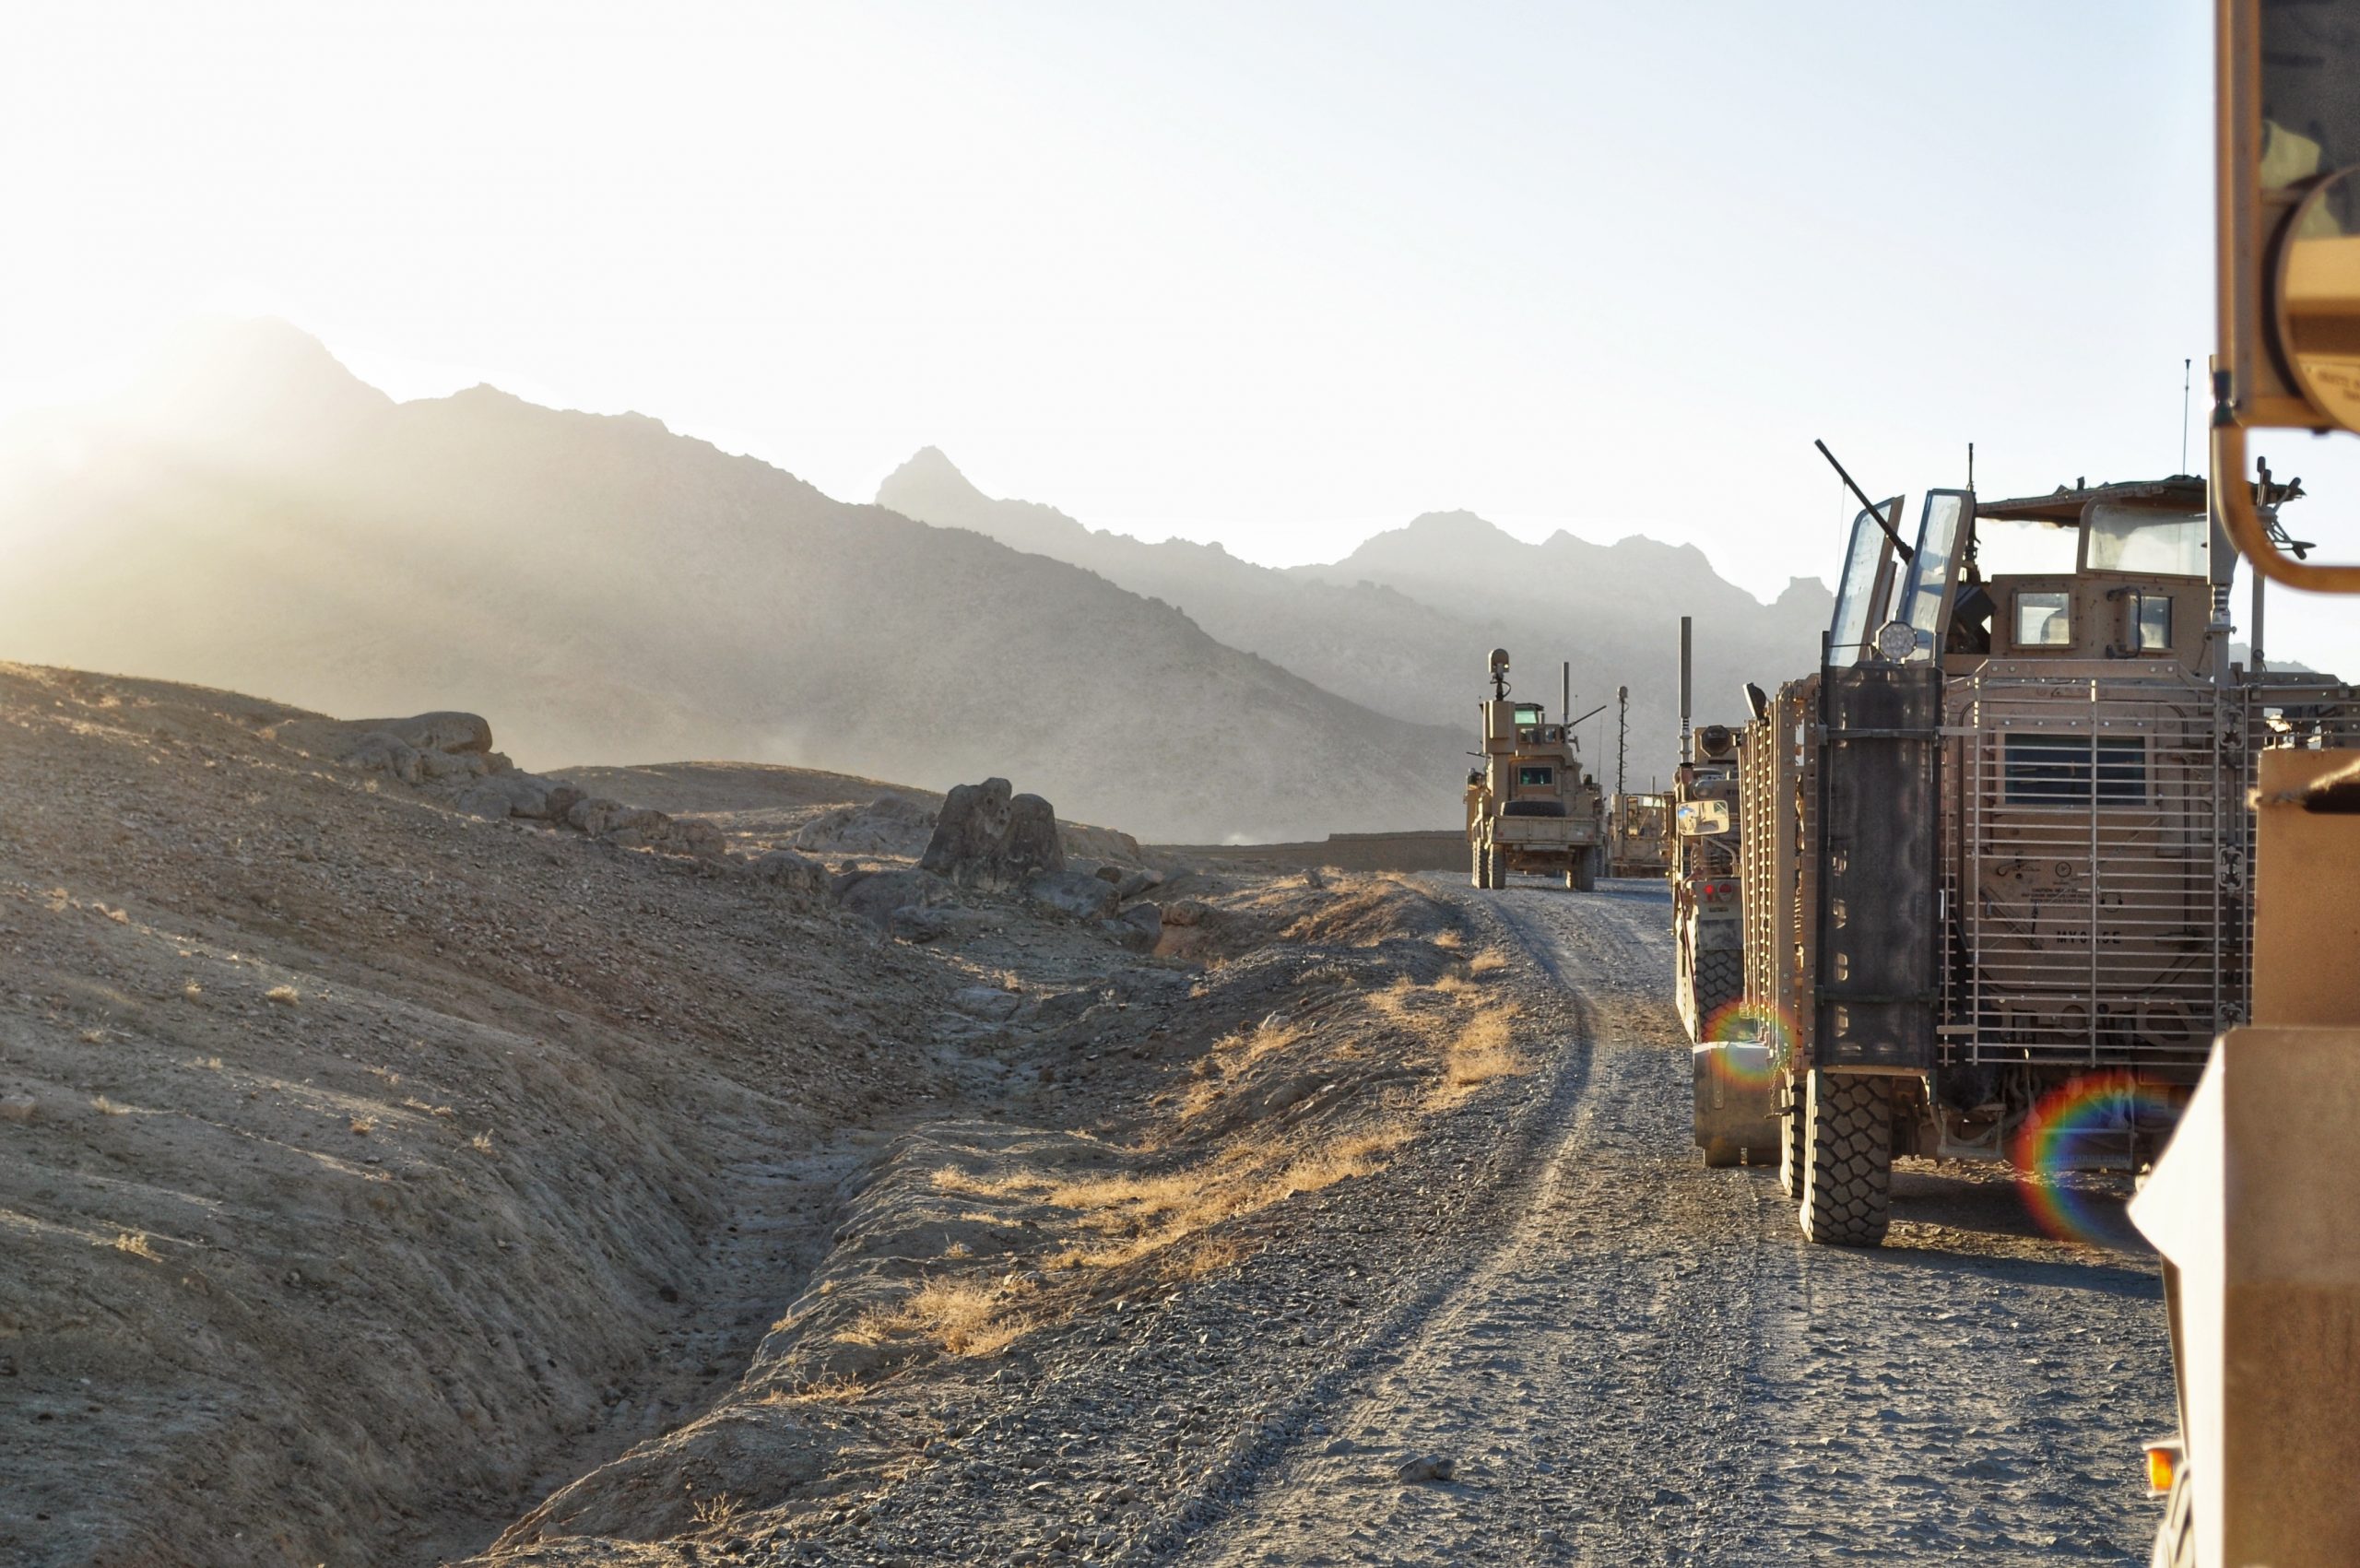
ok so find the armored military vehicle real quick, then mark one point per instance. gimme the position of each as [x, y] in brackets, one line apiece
[2254, 1207]
[1638, 835]
[1530, 808]
[1996, 846]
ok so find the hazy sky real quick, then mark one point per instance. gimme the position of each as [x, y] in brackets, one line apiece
[1277, 274]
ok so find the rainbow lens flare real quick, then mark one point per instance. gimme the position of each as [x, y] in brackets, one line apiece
[1757, 1023]
[2091, 1120]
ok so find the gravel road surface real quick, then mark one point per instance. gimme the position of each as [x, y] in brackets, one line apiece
[1626, 1358]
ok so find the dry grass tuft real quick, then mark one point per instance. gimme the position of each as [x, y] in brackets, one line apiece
[949, 1178]
[94, 1037]
[137, 1246]
[480, 1143]
[719, 1513]
[831, 1389]
[965, 1319]
[1482, 1051]
[1491, 961]
[1449, 941]
[363, 1125]
[192, 990]
[106, 1107]
[285, 996]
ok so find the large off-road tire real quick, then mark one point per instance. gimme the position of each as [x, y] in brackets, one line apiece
[1847, 1159]
[1790, 1152]
[1583, 877]
[2176, 1536]
[1479, 868]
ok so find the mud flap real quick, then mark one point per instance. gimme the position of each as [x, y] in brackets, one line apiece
[1735, 1105]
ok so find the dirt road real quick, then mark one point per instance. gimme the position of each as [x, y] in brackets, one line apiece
[1629, 1359]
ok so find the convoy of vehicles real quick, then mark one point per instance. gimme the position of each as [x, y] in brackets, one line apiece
[1531, 807]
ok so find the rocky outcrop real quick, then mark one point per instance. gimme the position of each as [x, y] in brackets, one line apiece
[986, 837]
[448, 757]
[890, 824]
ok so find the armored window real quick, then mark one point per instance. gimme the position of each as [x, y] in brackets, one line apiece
[2044, 619]
[1542, 777]
[2151, 622]
[2142, 539]
[2059, 770]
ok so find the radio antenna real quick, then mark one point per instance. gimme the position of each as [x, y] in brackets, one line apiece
[2186, 368]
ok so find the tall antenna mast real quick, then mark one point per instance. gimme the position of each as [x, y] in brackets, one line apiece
[2186, 368]
[1686, 755]
[1566, 695]
[1621, 733]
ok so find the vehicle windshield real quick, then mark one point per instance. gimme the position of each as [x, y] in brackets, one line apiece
[2026, 546]
[1855, 598]
[2152, 543]
[1930, 572]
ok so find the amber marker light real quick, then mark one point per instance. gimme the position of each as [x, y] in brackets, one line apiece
[2163, 1463]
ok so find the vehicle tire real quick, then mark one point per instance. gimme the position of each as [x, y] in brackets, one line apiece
[1479, 871]
[1582, 877]
[1721, 1155]
[2176, 1536]
[1790, 1152]
[1847, 1159]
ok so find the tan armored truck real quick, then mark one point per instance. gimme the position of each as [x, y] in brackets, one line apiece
[2254, 1206]
[1995, 849]
[1530, 808]
[1638, 829]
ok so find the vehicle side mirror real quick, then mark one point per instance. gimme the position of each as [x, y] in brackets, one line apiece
[2287, 235]
[1703, 819]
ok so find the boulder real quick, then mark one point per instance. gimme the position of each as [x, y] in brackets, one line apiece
[875, 895]
[796, 873]
[1145, 918]
[890, 824]
[1187, 912]
[439, 766]
[380, 753]
[1145, 880]
[1070, 892]
[502, 795]
[983, 836]
[598, 816]
[449, 732]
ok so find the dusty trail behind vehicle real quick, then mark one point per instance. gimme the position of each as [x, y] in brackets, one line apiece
[1642, 1362]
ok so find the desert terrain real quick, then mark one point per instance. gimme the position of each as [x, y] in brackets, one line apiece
[408, 1159]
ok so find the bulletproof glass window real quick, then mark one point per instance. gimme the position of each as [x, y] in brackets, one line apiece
[2064, 769]
[2151, 622]
[1931, 568]
[2044, 619]
[1856, 597]
[1535, 776]
[2151, 543]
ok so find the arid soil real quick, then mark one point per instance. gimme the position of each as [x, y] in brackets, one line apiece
[382, 1185]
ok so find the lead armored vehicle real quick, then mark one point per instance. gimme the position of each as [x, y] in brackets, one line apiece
[1996, 847]
[1530, 808]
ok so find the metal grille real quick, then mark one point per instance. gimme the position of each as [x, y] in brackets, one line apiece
[2095, 887]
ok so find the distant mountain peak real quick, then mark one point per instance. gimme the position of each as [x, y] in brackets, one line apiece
[930, 472]
[248, 384]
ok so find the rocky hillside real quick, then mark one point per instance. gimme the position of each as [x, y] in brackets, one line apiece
[1403, 623]
[255, 517]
